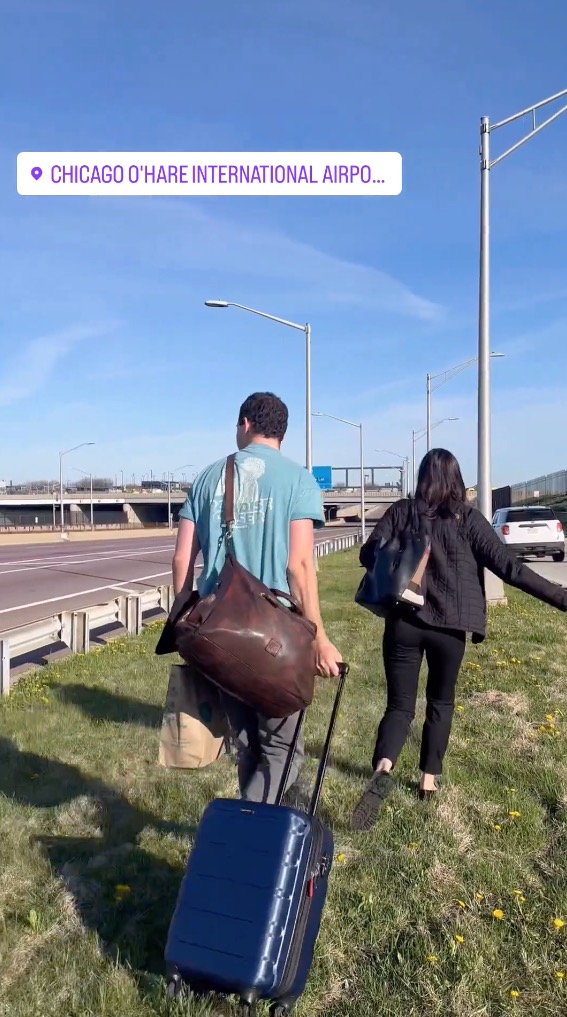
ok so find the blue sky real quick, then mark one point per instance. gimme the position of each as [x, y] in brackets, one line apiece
[104, 334]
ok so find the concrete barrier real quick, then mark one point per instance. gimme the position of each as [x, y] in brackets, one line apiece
[79, 536]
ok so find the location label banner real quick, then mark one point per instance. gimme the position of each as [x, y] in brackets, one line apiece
[210, 174]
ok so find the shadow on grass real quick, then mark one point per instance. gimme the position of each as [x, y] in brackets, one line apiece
[99, 704]
[133, 930]
[343, 765]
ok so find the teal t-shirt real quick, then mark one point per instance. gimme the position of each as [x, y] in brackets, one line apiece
[270, 492]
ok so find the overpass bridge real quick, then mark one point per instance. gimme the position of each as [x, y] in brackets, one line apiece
[127, 509]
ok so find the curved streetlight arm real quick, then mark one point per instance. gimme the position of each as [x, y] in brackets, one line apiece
[75, 447]
[306, 329]
[421, 434]
[387, 451]
[253, 310]
[341, 420]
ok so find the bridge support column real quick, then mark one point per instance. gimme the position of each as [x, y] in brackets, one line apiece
[132, 514]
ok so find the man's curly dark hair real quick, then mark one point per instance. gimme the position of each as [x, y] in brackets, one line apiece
[267, 414]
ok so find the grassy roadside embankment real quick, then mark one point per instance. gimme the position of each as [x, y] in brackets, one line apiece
[444, 910]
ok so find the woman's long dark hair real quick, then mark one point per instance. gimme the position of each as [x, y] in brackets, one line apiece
[440, 489]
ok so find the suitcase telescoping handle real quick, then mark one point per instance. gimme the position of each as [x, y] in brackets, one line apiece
[323, 763]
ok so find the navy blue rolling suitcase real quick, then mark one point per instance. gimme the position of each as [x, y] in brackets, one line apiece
[250, 904]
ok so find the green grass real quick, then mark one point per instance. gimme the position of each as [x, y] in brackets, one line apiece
[84, 808]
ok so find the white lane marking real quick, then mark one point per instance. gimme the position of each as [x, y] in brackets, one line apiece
[77, 554]
[81, 561]
[77, 594]
[86, 593]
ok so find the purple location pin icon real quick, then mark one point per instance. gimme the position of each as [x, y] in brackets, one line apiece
[36, 172]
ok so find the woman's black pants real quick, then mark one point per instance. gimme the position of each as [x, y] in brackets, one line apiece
[406, 640]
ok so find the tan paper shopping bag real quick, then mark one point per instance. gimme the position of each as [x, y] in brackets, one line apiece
[194, 730]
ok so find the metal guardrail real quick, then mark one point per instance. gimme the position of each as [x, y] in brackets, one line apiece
[126, 614]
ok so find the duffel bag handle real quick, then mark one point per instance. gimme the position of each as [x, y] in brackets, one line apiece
[280, 595]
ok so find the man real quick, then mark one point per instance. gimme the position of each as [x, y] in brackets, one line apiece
[277, 506]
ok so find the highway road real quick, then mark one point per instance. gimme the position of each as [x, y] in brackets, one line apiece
[42, 579]
[555, 571]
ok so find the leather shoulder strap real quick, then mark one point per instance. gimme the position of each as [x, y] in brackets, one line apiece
[229, 491]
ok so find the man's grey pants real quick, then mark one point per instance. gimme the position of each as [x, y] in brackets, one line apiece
[263, 747]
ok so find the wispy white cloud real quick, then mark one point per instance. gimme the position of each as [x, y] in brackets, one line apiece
[179, 242]
[226, 245]
[32, 368]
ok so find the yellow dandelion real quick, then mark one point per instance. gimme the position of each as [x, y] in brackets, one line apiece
[459, 709]
[558, 923]
[461, 903]
[511, 790]
[497, 826]
[514, 814]
[121, 891]
[519, 893]
[549, 716]
[560, 975]
[514, 994]
[431, 958]
[460, 939]
[413, 844]
[341, 858]
[542, 728]
[498, 914]
[522, 899]
[479, 896]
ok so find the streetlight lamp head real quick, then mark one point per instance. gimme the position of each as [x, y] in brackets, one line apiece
[216, 303]
[493, 355]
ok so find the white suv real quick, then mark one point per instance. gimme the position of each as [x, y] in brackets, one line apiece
[531, 531]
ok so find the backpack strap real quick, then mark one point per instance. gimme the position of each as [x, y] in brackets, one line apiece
[229, 501]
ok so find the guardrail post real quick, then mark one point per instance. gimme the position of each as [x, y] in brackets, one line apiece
[132, 614]
[66, 627]
[166, 598]
[80, 632]
[4, 667]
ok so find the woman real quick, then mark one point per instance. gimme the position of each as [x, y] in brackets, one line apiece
[463, 544]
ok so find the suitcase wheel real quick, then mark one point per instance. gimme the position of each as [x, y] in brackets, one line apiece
[174, 987]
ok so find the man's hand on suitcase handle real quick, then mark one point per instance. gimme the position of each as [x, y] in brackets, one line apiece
[327, 658]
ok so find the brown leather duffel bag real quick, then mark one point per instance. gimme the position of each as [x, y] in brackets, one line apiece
[243, 639]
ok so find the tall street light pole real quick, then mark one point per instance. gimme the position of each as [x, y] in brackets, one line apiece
[495, 588]
[415, 437]
[306, 329]
[61, 454]
[170, 476]
[351, 423]
[85, 474]
[442, 378]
